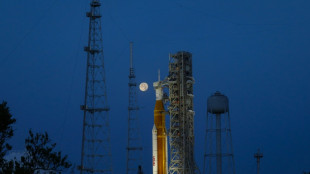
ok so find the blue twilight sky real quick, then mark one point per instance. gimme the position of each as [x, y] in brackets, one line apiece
[255, 52]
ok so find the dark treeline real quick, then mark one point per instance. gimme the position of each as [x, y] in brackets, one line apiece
[40, 154]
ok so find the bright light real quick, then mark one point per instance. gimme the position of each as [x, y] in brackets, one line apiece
[143, 86]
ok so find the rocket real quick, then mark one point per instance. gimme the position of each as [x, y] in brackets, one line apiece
[159, 133]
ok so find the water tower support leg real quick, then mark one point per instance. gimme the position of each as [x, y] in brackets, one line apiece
[218, 145]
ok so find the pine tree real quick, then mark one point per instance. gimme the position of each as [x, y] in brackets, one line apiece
[6, 132]
[40, 156]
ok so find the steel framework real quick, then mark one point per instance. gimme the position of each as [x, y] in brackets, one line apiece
[96, 150]
[134, 147]
[218, 156]
[181, 134]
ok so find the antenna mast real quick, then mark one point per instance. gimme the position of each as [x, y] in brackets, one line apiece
[96, 153]
[134, 148]
[258, 156]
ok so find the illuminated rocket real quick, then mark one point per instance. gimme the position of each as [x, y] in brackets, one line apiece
[159, 133]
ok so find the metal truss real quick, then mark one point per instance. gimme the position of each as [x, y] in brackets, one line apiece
[134, 147]
[180, 82]
[96, 148]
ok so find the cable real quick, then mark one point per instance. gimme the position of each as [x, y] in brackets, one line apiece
[117, 25]
[62, 127]
[230, 21]
[28, 33]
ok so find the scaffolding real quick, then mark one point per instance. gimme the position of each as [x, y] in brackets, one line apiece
[181, 133]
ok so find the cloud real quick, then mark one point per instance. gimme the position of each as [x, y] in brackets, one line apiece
[14, 155]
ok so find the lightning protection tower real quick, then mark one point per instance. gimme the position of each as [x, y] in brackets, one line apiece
[134, 148]
[218, 157]
[180, 82]
[96, 154]
[258, 156]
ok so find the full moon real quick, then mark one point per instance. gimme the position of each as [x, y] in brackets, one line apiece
[143, 86]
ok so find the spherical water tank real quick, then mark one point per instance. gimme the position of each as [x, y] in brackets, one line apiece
[217, 103]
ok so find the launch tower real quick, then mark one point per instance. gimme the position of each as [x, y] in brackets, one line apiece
[134, 147]
[180, 82]
[96, 154]
[218, 157]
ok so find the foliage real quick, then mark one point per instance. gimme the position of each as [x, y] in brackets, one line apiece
[40, 153]
[8, 167]
[40, 156]
[6, 132]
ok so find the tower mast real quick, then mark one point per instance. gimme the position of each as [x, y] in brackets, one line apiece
[258, 156]
[95, 153]
[134, 148]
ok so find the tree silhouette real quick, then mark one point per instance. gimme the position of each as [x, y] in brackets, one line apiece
[6, 132]
[40, 156]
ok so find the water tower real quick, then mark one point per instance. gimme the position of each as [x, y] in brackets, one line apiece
[218, 156]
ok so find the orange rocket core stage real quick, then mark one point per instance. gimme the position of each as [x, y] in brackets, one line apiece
[160, 124]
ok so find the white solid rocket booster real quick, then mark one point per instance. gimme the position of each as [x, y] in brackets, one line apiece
[155, 156]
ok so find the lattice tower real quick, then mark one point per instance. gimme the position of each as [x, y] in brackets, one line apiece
[134, 147]
[96, 148]
[181, 132]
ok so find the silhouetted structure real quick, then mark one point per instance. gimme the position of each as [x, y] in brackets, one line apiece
[134, 147]
[181, 135]
[218, 157]
[96, 153]
[258, 156]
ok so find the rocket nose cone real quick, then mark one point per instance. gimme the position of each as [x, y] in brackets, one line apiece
[154, 129]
